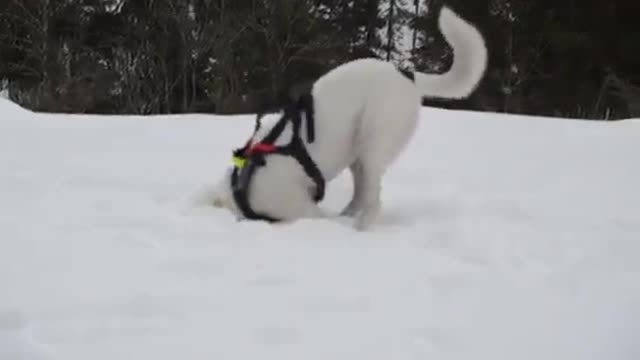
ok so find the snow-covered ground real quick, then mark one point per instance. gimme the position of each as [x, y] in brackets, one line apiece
[501, 237]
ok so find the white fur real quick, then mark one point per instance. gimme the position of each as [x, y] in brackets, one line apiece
[366, 112]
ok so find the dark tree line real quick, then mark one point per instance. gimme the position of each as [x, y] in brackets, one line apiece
[571, 58]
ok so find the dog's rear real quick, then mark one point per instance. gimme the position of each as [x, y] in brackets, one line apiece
[391, 108]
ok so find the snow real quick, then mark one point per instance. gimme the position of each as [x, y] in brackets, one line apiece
[500, 237]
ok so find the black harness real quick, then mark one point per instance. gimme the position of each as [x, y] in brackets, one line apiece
[253, 155]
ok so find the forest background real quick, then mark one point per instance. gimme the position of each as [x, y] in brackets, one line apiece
[569, 58]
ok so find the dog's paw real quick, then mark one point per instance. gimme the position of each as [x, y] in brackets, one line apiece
[348, 211]
[364, 220]
[351, 210]
[366, 216]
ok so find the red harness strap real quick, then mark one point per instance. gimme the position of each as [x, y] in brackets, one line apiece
[261, 148]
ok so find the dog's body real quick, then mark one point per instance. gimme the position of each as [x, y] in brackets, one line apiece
[366, 111]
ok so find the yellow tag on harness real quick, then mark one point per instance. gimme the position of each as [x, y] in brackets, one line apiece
[238, 161]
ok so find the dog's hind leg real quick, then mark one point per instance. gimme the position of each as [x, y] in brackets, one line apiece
[354, 205]
[369, 202]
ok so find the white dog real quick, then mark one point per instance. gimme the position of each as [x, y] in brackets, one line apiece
[366, 112]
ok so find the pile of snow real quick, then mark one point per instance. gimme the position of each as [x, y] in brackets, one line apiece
[10, 110]
[501, 237]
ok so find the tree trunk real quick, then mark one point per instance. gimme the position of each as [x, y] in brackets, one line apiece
[416, 4]
[392, 5]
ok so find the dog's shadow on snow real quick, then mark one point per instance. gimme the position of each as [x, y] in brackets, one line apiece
[408, 214]
[397, 211]
[413, 213]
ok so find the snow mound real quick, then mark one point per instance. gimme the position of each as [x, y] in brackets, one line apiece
[10, 110]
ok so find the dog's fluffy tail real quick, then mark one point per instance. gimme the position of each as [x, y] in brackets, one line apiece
[469, 60]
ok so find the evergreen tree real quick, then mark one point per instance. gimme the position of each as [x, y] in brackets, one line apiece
[572, 59]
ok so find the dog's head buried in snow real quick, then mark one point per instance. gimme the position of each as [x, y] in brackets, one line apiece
[280, 136]
[359, 116]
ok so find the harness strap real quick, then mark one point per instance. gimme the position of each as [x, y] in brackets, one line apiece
[297, 150]
[240, 181]
[306, 102]
[251, 156]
